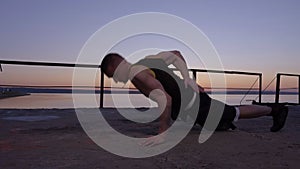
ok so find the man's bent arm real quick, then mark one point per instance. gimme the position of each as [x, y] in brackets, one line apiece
[164, 104]
[175, 58]
[180, 64]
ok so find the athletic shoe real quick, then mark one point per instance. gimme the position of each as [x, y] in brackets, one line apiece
[279, 114]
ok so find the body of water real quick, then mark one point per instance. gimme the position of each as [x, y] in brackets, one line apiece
[50, 100]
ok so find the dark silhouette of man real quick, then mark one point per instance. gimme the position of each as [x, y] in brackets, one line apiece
[152, 77]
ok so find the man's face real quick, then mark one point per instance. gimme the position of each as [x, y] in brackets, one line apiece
[118, 71]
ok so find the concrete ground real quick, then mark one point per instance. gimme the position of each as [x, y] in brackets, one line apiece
[53, 138]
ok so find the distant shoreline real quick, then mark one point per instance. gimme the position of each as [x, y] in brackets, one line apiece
[10, 94]
[20, 91]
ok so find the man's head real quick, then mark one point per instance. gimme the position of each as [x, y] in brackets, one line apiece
[115, 66]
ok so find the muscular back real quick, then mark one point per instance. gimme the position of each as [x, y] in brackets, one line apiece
[171, 83]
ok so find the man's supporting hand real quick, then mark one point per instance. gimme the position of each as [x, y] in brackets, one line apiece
[154, 140]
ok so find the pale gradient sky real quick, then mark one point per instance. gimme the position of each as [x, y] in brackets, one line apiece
[249, 35]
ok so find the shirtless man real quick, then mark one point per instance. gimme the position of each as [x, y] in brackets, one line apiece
[152, 77]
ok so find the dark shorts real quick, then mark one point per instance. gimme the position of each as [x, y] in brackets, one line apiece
[208, 104]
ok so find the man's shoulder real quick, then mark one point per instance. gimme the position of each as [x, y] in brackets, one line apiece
[151, 57]
[138, 71]
[151, 61]
[146, 59]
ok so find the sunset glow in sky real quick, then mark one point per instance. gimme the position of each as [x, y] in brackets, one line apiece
[250, 35]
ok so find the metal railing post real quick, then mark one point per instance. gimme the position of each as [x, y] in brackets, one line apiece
[299, 89]
[260, 88]
[195, 74]
[101, 89]
[277, 88]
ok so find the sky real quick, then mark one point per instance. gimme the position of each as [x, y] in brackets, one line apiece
[249, 35]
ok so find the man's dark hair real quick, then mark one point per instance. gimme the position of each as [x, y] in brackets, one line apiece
[109, 59]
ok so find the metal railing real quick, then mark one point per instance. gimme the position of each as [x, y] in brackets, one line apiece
[194, 71]
[236, 73]
[278, 76]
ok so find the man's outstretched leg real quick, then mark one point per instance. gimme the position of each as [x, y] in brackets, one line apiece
[277, 111]
[253, 111]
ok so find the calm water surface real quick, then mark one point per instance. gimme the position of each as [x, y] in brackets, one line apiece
[45, 100]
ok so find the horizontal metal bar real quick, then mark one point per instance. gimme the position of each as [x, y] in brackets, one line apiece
[11, 62]
[223, 71]
[226, 72]
[289, 74]
[98, 66]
